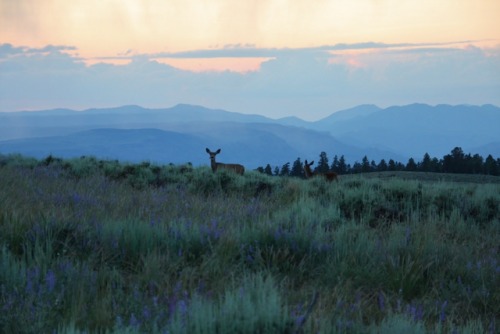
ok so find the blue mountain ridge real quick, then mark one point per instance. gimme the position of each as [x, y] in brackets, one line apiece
[181, 133]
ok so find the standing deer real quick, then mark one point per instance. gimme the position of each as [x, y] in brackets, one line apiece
[237, 168]
[329, 176]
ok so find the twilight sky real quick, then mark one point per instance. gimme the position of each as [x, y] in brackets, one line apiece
[271, 57]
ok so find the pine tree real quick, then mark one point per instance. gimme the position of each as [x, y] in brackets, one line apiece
[392, 165]
[285, 169]
[365, 165]
[476, 164]
[323, 166]
[411, 166]
[335, 165]
[357, 168]
[426, 164]
[490, 166]
[382, 166]
[454, 162]
[268, 170]
[297, 169]
[343, 168]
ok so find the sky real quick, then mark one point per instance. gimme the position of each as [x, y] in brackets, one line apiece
[276, 58]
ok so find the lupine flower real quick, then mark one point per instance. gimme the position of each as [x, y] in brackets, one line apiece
[146, 313]
[442, 314]
[50, 280]
[133, 322]
[381, 301]
[408, 236]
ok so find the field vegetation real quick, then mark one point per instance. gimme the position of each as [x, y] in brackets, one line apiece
[89, 245]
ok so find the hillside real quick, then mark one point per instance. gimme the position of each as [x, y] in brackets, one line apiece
[99, 245]
[396, 133]
[416, 129]
[252, 144]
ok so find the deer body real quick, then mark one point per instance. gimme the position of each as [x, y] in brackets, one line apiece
[237, 168]
[329, 176]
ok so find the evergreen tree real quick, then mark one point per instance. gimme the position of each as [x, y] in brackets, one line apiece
[436, 165]
[454, 162]
[285, 169]
[382, 166]
[276, 171]
[357, 168]
[475, 164]
[411, 166]
[490, 166]
[323, 166]
[365, 165]
[343, 168]
[268, 170]
[426, 164]
[392, 165]
[348, 169]
[335, 165]
[297, 169]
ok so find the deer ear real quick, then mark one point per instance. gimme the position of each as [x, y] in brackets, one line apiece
[305, 161]
[208, 151]
[218, 151]
[312, 162]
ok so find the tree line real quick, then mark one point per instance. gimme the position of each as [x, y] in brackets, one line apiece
[454, 162]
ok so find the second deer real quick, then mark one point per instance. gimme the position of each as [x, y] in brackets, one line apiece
[329, 176]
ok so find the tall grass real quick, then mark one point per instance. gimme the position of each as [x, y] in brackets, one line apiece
[90, 245]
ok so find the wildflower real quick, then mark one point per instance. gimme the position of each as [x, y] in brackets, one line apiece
[133, 322]
[442, 314]
[381, 301]
[146, 313]
[408, 235]
[50, 280]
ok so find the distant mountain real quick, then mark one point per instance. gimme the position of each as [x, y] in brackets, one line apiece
[128, 145]
[347, 115]
[252, 144]
[415, 129]
[181, 133]
[64, 121]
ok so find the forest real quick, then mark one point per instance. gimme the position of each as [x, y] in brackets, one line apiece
[455, 162]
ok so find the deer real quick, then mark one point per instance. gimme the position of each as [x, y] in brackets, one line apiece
[329, 176]
[237, 168]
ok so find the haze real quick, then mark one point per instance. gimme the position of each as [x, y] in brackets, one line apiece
[274, 58]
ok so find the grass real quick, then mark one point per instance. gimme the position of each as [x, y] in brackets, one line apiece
[102, 246]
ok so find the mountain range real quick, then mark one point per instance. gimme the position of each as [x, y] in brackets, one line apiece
[181, 133]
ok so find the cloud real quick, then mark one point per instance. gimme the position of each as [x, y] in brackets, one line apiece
[250, 50]
[7, 50]
[309, 83]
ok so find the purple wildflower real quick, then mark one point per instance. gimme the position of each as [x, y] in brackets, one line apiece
[408, 235]
[50, 280]
[133, 322]
[442, 314]
[32, 276]
[146, 313]
[381, 301]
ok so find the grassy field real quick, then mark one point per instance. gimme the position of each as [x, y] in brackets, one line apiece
[101, 246]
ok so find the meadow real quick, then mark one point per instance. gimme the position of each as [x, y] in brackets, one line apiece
[90, 245]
